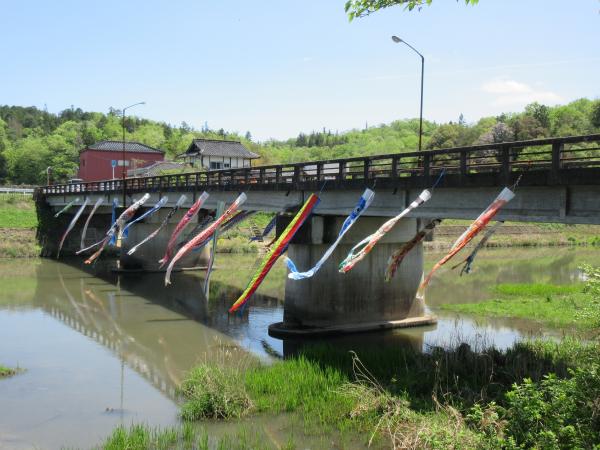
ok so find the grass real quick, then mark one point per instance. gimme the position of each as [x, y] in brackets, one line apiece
[559, 306]
[6, 372]
[17, 211]
[402, 398]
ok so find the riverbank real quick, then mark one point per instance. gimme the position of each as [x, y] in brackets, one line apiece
[6, 372]
[18, 222]
[573, 306]
[535, 394]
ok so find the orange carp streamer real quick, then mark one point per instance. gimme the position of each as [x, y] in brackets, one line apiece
[479, 224]
[396, 258]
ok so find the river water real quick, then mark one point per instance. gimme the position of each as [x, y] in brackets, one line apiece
[101, 349]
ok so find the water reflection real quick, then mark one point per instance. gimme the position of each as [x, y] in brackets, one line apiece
[103, 348]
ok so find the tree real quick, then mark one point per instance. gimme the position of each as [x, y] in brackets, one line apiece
[362, 8]
[595, 116]
[500, 132]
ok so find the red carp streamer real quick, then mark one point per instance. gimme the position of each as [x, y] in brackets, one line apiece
[278, 248]
[479, 224]
[180, 226]
[117, 226]
[364, 247]
[397, 257]
[205, 234]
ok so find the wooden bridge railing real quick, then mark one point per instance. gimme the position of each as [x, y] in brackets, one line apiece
[554, 155]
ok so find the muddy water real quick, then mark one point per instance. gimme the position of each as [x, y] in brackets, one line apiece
[102, 349]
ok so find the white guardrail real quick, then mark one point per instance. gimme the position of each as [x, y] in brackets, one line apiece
[16, 190]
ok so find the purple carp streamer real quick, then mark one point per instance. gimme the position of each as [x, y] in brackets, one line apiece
[396, 258]
[479, 224]
[180, 227]
[468, 261]
[87, 222]
[165, 221]
[205, 235]
[364, 247]
[70, 227]
[67, 207]
[117, 226]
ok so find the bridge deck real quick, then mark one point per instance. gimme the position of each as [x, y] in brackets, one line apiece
[560, 182]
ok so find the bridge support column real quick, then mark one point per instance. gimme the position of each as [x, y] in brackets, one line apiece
[360, 300]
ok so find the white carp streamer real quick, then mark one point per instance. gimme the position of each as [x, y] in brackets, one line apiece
[70, 227]
[362, 249]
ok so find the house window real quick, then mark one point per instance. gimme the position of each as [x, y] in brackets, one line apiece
[215, 165]
[226, 165]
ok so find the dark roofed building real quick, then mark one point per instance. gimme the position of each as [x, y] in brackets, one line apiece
[214, 154]
[104, 159]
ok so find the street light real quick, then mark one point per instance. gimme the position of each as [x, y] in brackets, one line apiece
[123, 160]
[397, 40]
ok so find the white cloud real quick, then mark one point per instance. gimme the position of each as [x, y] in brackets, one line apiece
[514, 93]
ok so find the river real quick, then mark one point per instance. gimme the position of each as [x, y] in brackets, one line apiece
[101, 349]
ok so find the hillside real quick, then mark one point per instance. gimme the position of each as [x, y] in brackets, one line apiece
[32, 139]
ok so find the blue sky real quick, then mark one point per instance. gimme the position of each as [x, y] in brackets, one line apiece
[278, 67]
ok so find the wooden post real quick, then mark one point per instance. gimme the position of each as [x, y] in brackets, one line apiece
[366, 167]
[426, 167]
[557, 149]
[505, 161]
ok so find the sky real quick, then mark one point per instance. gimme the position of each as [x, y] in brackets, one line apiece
[276, 67]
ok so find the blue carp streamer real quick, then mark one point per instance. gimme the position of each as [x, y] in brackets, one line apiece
[363, 203]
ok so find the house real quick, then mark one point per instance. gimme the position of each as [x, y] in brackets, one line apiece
[215, 154]
[157, 168]
[104, 160]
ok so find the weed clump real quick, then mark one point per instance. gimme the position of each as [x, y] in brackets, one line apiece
[214, 392]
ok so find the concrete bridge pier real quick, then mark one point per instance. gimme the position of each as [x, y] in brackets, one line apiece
[360, 300]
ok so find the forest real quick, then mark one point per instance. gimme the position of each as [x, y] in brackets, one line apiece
[32, 139]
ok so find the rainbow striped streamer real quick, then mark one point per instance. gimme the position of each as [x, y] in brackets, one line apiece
[396, 258]
[180, 226]
[363, 203]
[205, 235]
[70, 227]
[88, 220]
[278, 248]
[479, 224]
[68, 206]
[364, 247]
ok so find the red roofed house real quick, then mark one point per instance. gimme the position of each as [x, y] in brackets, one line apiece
[104, 160]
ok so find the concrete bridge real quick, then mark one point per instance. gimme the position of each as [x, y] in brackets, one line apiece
[559, 182]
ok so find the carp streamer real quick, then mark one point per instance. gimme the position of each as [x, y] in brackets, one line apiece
[397, 257]
[165, 221]
[479, 224]
[148, 213]
[468, 261]
[116, 227]
[180, 227]
[204, 236]
[363, 203]
[70, 227]
[67, 207]
[278, 248]
[87, 222]
[362, 249]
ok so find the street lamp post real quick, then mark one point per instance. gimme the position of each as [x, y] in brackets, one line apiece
[123, 155]
[397, 40]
